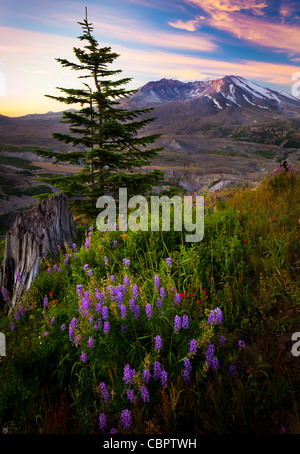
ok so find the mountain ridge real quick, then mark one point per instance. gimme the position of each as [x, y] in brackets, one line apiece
[233, 89]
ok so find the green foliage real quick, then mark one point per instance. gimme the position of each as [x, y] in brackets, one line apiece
[17, 162]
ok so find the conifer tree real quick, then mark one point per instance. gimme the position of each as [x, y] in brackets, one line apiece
[104, 135]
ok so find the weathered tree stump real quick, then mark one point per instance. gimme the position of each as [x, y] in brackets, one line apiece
[37, 232]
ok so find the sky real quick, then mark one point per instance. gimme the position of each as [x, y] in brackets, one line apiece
[187, 40]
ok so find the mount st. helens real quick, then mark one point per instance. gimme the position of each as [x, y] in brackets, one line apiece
[230, 91]
[220, 108]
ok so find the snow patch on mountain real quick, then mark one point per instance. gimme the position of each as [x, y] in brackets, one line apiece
[214, 100]
[248, 100]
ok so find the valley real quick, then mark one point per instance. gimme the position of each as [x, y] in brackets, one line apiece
[215, 134]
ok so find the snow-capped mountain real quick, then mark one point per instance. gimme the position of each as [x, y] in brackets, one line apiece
[219, 94]
[228, 107]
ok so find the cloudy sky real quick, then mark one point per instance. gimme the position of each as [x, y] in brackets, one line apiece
[186, 40]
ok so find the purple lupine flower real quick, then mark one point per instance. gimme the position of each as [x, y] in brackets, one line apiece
[131, 396]
[159, 303]
[169, 262]
[241, 344]
[21, 309]
[126, 419]
[105, 394]
[63, 327]
[126, 281]
[185, 321]
[83, 357]
[232, 370]
[87, 244]
[162, 292]
[112, 278]
[128, 374]
[145, 394]
[222, 340]
[135, 291]
[214, 363]
[105, 314]
[215, 317]
[74, 246]
[177, 323]
[148, 310]
[156, 281]
[106, 327]
[52, 320]
[193, 346]
[17, 316]
[114, 245]
[49, 270]
[99, 295]
[211, 359]
[98, 324]
[55, 267]
[91, 342]
[102, 421]
[113, 431]
[146, 375]
[158, 342]
[18, 278]
[187, 369]
[124, 329]
[156, 370]
[72, 326]
[126, 262]
[90, 273]
[77, 339]
[210, 351]
[86, 302]
[177, 298]
[164, 377]
[12, 326]
[123, 310]
[135, 309]
[79, 290]
[4, 294]
[98, 308]
[105, 261]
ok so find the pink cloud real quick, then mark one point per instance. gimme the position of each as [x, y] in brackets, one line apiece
[233, 17]
[131, 32]
[190, 25]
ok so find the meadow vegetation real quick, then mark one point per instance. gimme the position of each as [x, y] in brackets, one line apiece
[141, 332]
